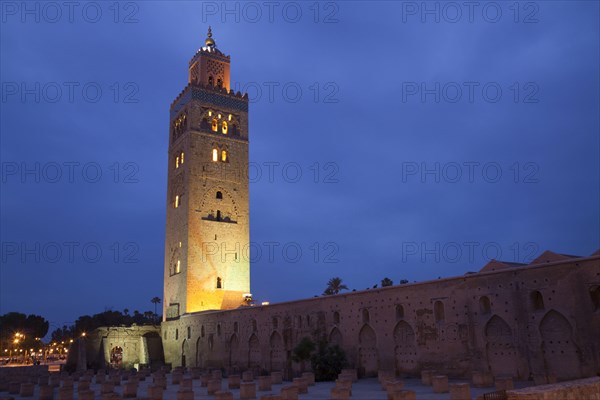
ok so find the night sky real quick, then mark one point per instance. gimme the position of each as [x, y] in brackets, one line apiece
[386, 140]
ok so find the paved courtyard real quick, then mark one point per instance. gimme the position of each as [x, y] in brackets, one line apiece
[363, 389]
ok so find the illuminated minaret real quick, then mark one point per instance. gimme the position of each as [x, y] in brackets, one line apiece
[207, 232]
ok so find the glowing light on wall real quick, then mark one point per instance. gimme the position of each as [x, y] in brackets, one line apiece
[215, 156]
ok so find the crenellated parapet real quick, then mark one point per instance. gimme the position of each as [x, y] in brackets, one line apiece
[217, 95]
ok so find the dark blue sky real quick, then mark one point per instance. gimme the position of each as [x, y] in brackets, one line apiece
[426, 147]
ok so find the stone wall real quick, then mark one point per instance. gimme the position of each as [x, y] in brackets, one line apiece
[539, 321]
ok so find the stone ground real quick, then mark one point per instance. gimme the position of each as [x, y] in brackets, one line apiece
[364, 389]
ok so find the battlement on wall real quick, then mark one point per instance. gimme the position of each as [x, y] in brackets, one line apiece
[215, 89]
[496, 273]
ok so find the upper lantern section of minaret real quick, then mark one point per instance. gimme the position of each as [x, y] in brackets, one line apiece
[209, 66]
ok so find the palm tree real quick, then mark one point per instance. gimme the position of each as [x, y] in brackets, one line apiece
[155, 301]
[334, 286]
[386, 282]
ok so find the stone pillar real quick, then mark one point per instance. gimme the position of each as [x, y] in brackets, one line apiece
[302, 385]
[176, 378]
[233, 381]
[86, 395]
[264, 383]
[289, 392]
[160, 381]
[100, 378]
[247, 376]
[426, 377]
[107, 387]
[440, 384]
[482, 379]
[155, 392]
[216, 374]
[223, 396]
[393, 386]
[351, 373]
[338, 393]
[185, 394]
[344, 383]
[384, 376]
[460, 391]
[65, 393]
[81, 354]
[204, 380]
[247, 390]
[310, 378]
[130, 389]
[214, 385]
[186, 384]
[83, 386]
[504, 383]
[26, 389]
[277, 377]
[46, 392]
[405, 395]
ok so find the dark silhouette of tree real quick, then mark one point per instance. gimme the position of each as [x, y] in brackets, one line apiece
[334, 286]
[386, 282]
[303, 351]
[155, 301]
[31, 327]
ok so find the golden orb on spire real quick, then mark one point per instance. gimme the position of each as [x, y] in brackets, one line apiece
[209, 40]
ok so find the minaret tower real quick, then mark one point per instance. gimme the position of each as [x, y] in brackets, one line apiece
[207, 234]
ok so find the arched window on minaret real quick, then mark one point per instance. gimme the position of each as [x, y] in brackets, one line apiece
[211, 81]
[215, 125]
[219, 83]
[224, 128]
[224, 155]
[204, 124]
[215, 155]
[219, 196]
[219, 283]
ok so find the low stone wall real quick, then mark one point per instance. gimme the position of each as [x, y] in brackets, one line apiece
[24, 373]
[588, 389]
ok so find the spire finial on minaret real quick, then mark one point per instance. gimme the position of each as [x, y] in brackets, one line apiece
[209, 40]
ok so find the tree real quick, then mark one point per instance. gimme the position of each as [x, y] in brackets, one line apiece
[32, 326]
[403, 281]
[155, 301]
[334, 286]
[327, 362]
[386, 282]
[303, 351]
